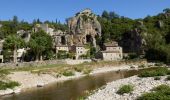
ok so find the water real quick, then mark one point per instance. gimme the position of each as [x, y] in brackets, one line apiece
[71, 90]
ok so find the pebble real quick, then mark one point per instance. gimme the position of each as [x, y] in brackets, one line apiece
[141, 85]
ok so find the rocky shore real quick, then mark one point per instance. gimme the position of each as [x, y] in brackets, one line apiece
[141, 85]
[29, 80]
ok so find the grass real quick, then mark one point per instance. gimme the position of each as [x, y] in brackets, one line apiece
[68, 73]
[161, 71]
[125, 89]
[161, 92]
[10, 85]
[4, 72]
[87, 71]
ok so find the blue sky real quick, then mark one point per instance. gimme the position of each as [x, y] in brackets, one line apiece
[62, 9]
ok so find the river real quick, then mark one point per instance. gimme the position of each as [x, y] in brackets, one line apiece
[72, 89]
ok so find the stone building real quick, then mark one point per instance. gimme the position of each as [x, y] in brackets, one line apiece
[62, 48]
[79, 50]
[111, 51]
[45, 28]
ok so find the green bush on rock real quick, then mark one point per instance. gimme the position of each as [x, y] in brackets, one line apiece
[162, 71]
[125, 89]
[161, 92]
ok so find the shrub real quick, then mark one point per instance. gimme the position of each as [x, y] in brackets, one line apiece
[161, 88]
[161, 92]
[125, 89]
[162, 71]
[157, 78]
[68, 73]
[153, 96]
[168, 72]
[5, 85]
[168, 78]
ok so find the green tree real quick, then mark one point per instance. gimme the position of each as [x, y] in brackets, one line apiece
[39, 43]
[12, 43]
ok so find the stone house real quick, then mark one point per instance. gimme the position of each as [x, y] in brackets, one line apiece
[79, 50]
[111, 51]
[45, 28]
[62, 48]
[20, 54]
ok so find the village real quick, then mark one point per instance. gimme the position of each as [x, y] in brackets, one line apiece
[74, 44]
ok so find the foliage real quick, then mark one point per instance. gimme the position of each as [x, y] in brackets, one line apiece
[62, 54]
[158, 72]
[68, 73]
[10, 85]
[157, 78]
[3, 73]
[168, 78]
[39, 43]
[161, 92]
[11, 44]
[125, 89]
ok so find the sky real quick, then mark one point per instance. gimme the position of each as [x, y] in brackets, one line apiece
[61, 9]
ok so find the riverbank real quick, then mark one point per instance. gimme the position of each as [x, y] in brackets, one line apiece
[141, 85]
[38, 77]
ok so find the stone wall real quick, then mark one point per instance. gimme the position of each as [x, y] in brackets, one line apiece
[43, 63]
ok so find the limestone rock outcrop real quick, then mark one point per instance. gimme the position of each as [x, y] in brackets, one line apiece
[133, 42]
[84, 27]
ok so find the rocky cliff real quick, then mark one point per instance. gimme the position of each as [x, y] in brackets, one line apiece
[83, 27]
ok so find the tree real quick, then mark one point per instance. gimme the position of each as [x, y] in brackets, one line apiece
[105, 14]
[167, 10]
[113, 15]
[39, 43]
[13, 42]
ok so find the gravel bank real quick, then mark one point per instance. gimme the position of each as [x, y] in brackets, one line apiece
[141, 85]
[30, 80]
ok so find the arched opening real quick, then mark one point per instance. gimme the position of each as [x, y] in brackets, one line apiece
[88, 38]
[63, 40]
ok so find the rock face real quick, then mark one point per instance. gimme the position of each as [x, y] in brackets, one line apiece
[84, 27]
[132, 42]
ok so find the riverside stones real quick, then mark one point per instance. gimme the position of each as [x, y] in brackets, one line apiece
[141, 85]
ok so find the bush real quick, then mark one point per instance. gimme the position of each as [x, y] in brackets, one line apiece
[153, 96]
[68, 73]
[168, 78]
[5, 85]
[158, 72]
[157, 78]
[161, 88]
[161, 92]
[125, 89]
